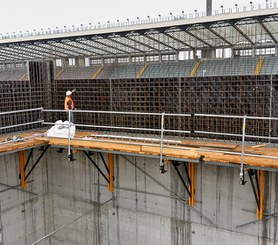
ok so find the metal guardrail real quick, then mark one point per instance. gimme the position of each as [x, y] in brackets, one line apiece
[160, 117]
[16, 115]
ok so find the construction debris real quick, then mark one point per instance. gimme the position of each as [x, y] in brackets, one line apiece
[14, 139]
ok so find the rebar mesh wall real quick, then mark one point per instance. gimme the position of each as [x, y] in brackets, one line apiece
[230, 95]
[23, 95]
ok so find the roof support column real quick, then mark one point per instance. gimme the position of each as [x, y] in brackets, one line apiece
[253, 52]
[208, 53]
[232, 53]
[81, 62]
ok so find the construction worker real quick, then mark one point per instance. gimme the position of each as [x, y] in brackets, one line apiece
[69, 105]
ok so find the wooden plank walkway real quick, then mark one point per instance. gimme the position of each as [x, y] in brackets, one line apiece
[220, 152]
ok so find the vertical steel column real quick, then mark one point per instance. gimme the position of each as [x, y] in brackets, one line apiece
[21, 168]
[110, 176]
[191, 172]
[260, 194]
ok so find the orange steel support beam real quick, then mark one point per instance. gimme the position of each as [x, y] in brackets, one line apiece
[110, 167]
[21, 169]
[191, 172]
[260, 194]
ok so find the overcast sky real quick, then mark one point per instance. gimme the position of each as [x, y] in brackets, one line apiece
[19, 15]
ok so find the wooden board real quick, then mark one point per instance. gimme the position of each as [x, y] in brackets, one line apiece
[188, 149]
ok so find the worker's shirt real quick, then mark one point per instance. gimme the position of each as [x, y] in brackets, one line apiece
[69, 104]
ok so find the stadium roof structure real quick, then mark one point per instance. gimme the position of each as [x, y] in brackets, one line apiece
[240, 30]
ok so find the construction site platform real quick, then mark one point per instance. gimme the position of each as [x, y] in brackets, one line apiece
[258, 156]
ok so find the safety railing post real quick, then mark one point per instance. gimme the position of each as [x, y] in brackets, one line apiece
[69, 151]
[241, 175]
[161, 164]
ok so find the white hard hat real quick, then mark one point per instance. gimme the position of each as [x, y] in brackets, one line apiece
[68, 93]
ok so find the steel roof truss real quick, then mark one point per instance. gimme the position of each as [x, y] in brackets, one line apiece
[95, 47]
[79, 48]
[78, 51]
[23, 49]
[70, 52]
[220, 37]
[179, 41]
[161, 43]
[198, 38]
[268, 32]
[13, 57]
[110, 46]
[54, 51]
[20, 52]
[46, 51]
[142, 43]
[243, 34]
[129, 46]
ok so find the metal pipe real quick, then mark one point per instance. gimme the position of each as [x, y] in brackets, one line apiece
[69, 153]
[165, 130]
[161, 164]
[106, 112]
[107, 127]
[19, 111]
[144, 113]
[241, 174]
[22, 124]
[137, 138]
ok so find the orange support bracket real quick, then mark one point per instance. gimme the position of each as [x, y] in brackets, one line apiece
[21, 169]
[258, 190]
[191, 173]
[110, 172]
[189, 186]
[109, 167]
[259, 212]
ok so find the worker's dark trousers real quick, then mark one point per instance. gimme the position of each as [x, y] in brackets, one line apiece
[70, 116]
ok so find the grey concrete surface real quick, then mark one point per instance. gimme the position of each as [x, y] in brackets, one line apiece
[147, 207]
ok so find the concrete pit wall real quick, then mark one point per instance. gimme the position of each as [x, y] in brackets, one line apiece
[24, 215]
[147, 207]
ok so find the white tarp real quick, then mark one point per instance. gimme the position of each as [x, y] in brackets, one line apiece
[61, 130]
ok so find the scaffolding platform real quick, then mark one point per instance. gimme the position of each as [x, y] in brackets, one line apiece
[19, 142]
[257, 156]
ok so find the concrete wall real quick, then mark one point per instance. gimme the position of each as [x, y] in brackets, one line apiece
[24, 216]
[147, 207]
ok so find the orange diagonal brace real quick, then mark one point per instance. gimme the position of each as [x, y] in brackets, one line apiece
[110, 167]
[260, 194]
[21, 169]
[191, 173]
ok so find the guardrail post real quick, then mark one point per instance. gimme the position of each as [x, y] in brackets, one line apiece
[161, 164]
[241, 175]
